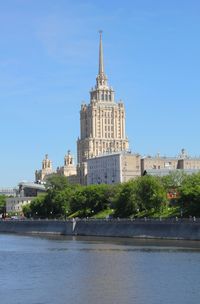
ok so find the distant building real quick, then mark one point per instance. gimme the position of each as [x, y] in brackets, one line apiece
[103, 138]
[164, 165]
[24, 195]
[158, 162]
[102, 123]
[30, 189]
[69, 167]
[186, 162]
[15, 204]
[47, 170]
[8, 191]
[113, 168]
[102, 130]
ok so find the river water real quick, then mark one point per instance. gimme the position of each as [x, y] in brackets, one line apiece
[61, 270]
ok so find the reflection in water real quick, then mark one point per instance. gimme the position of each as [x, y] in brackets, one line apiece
[97, 270]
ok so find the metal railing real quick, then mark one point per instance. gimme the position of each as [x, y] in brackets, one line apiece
[112, 220]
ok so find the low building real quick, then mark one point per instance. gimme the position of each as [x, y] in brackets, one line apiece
[8, 191]
[163, 165]
[113, 168]
[158, 163]
[24, 195]
[187, 162]
[15, 204]
[27, 189]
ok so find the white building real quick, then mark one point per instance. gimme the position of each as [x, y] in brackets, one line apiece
[26, 192]
[113, 168]
[15, 204]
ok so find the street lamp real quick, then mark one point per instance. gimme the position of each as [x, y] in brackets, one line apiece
[66, 214]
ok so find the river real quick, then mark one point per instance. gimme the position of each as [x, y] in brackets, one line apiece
[82, 270]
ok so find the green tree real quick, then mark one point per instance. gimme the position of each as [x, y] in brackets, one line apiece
[126, 203]
[2, 204]
[150, 193]
[57, 200]
[78, 201]
[91, 199]
[189, 195]
[143, 193]
[173, 180]
[37, 207]
[57, 182]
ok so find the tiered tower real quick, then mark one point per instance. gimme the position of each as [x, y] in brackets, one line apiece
[69, 168]
[47, 169]
[102, 122]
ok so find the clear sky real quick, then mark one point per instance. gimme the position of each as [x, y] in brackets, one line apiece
[49, 62]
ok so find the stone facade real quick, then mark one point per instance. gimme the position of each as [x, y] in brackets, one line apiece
[47, 170]
[102, 123]
[16, 204]
[158, 163]
[113, 168]
[162, 165]
[25, 193]
[69, 168]
[186, 162]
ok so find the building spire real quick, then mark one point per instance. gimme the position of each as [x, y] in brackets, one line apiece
[101, 65]
[101, 77]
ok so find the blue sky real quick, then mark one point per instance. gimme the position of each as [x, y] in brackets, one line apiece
[49, 62]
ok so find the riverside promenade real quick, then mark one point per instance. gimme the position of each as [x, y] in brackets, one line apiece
[179, 229]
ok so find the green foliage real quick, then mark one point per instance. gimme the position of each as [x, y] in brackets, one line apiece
[91, 199]
[173, 180]
[189, 195]
[57, 182]
[2, 204]
[150, 193]
[126, 201]
[165, 212]
[143, 193]
[106, 213]
[26, 210]
[144, 196]
[36, 208]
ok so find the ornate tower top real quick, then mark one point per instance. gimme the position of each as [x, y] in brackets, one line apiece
[69, 159]
[46, 163]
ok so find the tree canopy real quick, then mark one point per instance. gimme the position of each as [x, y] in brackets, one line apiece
[189, 195]
[2, 203]
[138, 196]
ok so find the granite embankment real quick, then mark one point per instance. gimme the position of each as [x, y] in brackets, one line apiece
[165, 229]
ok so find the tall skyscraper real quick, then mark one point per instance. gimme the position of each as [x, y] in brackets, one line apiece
[102, 122]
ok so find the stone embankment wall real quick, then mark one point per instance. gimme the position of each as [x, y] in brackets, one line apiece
[36, 227]
[168, 229]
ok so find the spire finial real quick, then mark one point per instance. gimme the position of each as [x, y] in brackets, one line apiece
[101, 65]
